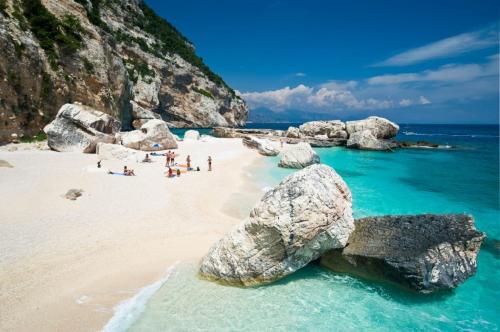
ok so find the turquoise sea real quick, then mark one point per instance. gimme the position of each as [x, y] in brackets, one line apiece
[460, 178]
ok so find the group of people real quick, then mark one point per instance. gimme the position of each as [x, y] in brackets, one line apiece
[170, 161]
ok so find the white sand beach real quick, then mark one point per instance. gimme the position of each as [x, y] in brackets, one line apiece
[65, 264]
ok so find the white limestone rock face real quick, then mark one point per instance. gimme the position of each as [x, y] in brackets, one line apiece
[106, 151]
[152, 133]
[298, 156]
[330, 129]
[364, 140]
[308, 213]
[192, 134]
[425, 252]
[293, 132]
[78, 128]
[379, 127]
[141, 115]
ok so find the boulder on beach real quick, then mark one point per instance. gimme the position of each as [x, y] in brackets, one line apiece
[154, 135]
[379, 127]
[364, 140]
[309, 212]
[78, 128]
[264, 146]
[298, 155]
[192, 134]
[425, 253]
[141, 115]
[328, 129]
[73, 194]
[106, 151]
[293, 132]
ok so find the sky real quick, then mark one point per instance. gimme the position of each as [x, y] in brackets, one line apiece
[411, 61]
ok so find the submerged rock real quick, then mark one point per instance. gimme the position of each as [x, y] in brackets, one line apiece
[153, 135]
[78, 128]
[298, 156]
[192, 134]
[308, 213]
[364, 140]
[379, 127]
[423, 252]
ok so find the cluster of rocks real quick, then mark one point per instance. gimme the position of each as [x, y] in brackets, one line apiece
[308, 216]
[79, 128]
[372, 133]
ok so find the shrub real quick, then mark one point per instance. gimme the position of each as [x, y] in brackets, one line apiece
[203, 92]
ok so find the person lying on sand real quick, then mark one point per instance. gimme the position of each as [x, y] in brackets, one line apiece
[146, 159]
[156, 154]
[128, 172]
[170, 172]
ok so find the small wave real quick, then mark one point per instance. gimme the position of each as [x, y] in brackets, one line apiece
[126, 312]
[412, 133]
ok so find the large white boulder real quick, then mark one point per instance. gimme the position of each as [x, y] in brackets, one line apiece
[264, 146]
[308, 213]
[107, 151]
[364, 140]
[379, 127]
[192, 134]
[292, 132]
[153, 135]
[328, 129]
[298, 156]
[78, 128]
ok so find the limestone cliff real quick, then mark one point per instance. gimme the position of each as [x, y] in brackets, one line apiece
[117, 56]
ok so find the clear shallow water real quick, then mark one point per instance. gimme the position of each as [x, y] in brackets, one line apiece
[462, 179]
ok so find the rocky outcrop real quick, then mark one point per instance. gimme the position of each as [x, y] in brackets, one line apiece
[293, 132]
[79, 128]
[308, 213]
[154, 135]
[298, 156]
[118, 152]
[263, 146]
[364, 140]
[192, 134]
[423, 252]
[379, 127]
[104, 55]
[330, 129]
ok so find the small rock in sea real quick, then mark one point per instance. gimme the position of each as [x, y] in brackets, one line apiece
[425, 252]
[4, 163]
[73, 194]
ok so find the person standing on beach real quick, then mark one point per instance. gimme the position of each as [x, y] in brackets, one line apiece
[172, 158]
[188, 162]
[168, 159]
[209, 163]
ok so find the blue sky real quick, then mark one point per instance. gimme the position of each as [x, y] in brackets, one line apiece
[412, 61]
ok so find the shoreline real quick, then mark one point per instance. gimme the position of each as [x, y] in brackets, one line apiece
[67, 264]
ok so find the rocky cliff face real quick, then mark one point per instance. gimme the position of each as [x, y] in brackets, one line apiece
[116, 56]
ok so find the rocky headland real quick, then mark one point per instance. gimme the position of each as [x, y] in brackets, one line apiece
[115, 56]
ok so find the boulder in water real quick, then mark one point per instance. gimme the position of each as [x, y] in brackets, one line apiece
[298, 155]
[364, 140]
[379, 127]
[308, 213]
[78, 128]
[328, 129]
[422, 252]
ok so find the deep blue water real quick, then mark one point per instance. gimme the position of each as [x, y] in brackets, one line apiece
[463, 178]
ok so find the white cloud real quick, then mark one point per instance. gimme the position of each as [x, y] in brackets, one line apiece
[447, 73]
[300, 74]
[321, 98]
[405, 102]
[423, 101]
[446, 48]
[340, 85]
